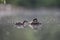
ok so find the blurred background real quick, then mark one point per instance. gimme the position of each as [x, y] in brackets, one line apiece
[47, 12]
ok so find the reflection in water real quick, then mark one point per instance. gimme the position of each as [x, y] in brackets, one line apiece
[21, 26]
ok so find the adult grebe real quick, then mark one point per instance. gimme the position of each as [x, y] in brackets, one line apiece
[34, 24]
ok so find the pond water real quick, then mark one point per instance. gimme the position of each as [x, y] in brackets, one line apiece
[9, 15]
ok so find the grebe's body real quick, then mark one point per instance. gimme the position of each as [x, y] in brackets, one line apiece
[21, 25]
[35, 23]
